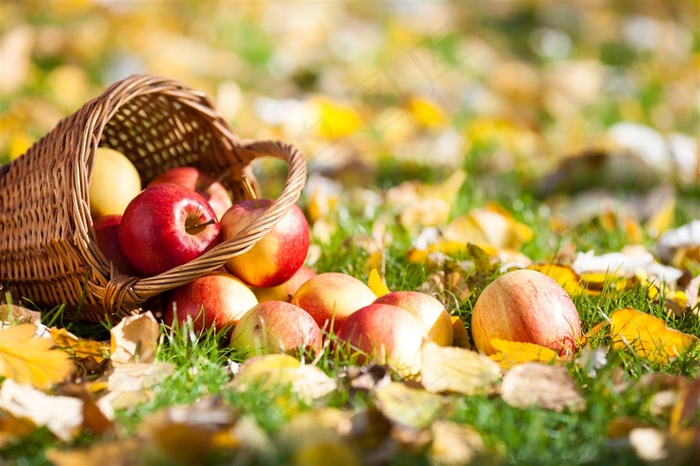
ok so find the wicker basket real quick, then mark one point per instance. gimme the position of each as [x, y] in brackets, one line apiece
[48, 250]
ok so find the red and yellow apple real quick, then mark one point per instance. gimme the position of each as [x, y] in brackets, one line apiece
[529, 307]
[114, 182]
[286, 290]
[217, 299]
[330, 297]
[276, 327]
[277, 256]
[166, 225]
[384, 334]
[200, 181]
[429, 310]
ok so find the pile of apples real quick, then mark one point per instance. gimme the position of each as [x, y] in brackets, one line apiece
[267, 301]
[266, 298]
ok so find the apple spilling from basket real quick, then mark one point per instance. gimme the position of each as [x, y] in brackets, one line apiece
[267, 300]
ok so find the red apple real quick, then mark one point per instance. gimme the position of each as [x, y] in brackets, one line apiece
[385, 334]
[429, 310]
[276, 327]
[330, 297]
[277, 256]
[217, 299]
[286, 290]
[529, 307]
[166, 225]
[107, 236]
[203, 183]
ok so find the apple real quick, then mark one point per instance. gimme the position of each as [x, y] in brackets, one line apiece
[114, 183]
[216, 299]
[107, 236]
[200, 181]
[286, 290]
[385, 334]
[277, 256]
[330, 297]
[529, 307]
[276, 327]
[167, 225]
[429, 310]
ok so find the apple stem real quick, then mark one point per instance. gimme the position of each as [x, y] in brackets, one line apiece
[200, 225]
[249, 189]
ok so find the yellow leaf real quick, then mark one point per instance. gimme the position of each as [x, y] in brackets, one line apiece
[490, 225]
[410, 407]
[458, 370]
[376, 283]
[337, 119]
[512, 353]
[648, 336]
[29, 360]
[565, 276]
[79, 347]
[426, 112]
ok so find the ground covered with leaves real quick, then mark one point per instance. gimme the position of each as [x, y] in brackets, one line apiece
[447, 144]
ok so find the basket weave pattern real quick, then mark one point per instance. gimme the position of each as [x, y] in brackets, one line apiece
[48, 251]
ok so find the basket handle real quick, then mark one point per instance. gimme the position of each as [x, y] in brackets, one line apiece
[126, 291]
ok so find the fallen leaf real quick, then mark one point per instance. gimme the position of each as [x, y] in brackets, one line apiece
[14, 314]
[452, 369]
[14, 429]
[134, 339]
[541, 385]
[313, 437]
[186, 433]
[565, 276]
[308, 382]
[460, 336]
[129, 384]
[376, 283]
[125, 452]
[30, 360]
[410, 407]
[426, 112]
[512, 353]
[488, 226]
[62, 415]
[460, 444]
[648, 336]
[79, 347]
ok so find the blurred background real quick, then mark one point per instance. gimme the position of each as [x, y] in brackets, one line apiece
[378, 91]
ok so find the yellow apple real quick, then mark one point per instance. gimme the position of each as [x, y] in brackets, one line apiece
[115, 182]
[436, 321]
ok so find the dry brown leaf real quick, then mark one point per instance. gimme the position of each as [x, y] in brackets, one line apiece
[186, 433]
[125, 452]
[134, 339]
[30, 360]
[452, 369]
[512, 353]
[409, 407]
[537, 384]
[656, 446]
[459, 444]
[648, 336]
[14, 429]
[62, 415]
[129, 384]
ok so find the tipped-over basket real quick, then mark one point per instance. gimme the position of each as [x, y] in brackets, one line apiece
[48, 251]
